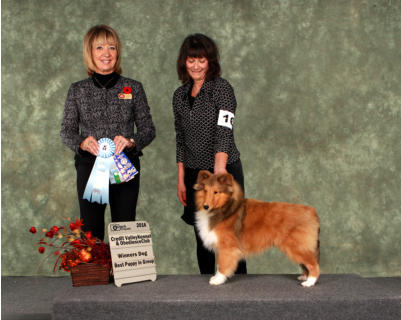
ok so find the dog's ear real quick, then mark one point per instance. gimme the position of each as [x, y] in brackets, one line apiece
[198, 186]
[202, 176]
[227, 180]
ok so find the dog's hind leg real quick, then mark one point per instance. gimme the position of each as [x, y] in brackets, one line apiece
[308, 260]
[314, 266]
[305, 272]
[312, 269]
[314, 272]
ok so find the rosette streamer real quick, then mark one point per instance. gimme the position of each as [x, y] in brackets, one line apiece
[107, 168]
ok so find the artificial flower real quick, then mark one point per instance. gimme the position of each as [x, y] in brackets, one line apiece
[49, 234]
[73, 247]
[127, 90]
[77, 225]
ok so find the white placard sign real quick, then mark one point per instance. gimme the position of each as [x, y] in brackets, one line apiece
[131, 252]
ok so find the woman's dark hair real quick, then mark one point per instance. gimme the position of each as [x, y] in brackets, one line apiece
[198, 46]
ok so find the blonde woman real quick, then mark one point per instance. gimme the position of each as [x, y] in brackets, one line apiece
[106, 105]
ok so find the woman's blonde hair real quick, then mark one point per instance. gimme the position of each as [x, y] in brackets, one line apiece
[103, 33]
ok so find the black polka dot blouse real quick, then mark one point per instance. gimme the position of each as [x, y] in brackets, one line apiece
[206, 127]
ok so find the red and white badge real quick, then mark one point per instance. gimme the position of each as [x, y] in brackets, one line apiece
[126, 94]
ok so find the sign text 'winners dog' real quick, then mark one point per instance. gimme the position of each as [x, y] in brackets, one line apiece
[131, 252]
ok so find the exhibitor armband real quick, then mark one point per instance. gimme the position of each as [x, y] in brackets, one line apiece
[226, 119]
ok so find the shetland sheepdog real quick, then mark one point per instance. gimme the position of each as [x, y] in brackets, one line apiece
[235, 227]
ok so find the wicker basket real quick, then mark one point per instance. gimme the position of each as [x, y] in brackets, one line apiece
[90, 274]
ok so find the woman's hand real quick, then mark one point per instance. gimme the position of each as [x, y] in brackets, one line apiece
[220, 170]
[182, 193]
[220, 163]
[181, 188]
[90, 145]
[122, 143]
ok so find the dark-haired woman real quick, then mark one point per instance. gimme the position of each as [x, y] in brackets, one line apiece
[204, 109]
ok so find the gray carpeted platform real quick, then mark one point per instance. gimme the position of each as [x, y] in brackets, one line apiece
[191, 297]
[243, 297]
[30, 298]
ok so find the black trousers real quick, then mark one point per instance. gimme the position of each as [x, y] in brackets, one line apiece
[122, 197]
[206, 258]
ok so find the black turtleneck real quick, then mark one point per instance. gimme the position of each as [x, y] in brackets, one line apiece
[105, 81]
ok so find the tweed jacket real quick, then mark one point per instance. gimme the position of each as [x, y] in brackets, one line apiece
[199, 133]
[99, 112]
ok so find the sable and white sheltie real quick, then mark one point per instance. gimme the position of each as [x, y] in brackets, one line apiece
[236, 227]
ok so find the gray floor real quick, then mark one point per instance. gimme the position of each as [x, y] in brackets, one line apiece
[32, 297]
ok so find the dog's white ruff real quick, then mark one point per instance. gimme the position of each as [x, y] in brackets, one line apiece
[208, 236]
[217, 279]
[310, 282]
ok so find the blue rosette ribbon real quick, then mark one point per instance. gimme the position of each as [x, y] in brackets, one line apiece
[97, 187]
[108, 167]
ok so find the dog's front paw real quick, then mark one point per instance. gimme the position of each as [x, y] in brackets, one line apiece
[217, 279]
[310, 282]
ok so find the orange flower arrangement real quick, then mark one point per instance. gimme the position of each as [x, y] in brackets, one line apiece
[72, 246]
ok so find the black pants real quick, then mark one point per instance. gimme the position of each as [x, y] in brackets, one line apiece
[122, 197]
[206, 258]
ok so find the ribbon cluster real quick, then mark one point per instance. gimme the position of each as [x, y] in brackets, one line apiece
[108, 167]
